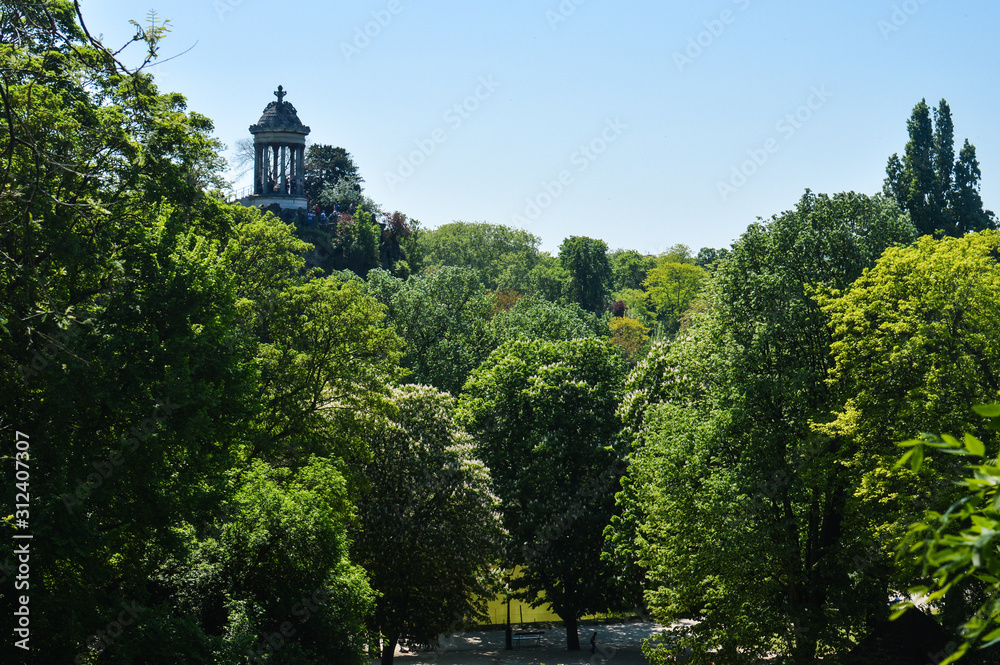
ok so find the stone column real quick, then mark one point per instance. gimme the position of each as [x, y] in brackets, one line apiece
[268, 167]
[274, 158]
[301, 173]
[283, 151]
[302, 170]
[257, 187]
[298, 170]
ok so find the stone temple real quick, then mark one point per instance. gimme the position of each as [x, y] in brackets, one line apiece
[279, 142]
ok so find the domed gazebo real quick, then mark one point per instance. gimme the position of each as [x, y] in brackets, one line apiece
[279, 141]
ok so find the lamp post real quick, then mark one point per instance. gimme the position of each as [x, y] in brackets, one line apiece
[508, 635]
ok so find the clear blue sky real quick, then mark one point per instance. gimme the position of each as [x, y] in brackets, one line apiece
[665, 119]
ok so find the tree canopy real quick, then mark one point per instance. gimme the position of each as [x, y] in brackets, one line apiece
[213, 405]
[629, 269]
[532, 317]
[428, 532]
[586, 261]
[730, 456]
[444, 317]
[503, 256]
[914, 344]
[202, 385]
[672, 286]
[327, 166]
[543, 418]
[940, 193]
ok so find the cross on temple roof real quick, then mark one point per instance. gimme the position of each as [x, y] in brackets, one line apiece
[280, 94]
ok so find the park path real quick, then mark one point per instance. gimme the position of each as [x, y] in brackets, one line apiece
[618, 644]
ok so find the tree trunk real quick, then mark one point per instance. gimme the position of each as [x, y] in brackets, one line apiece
[572, 634]
[389, 648]
[508, 632]
[804, 648]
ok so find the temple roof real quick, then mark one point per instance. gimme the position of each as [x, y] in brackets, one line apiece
[279, 116]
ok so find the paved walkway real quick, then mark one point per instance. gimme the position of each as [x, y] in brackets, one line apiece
[618, 644]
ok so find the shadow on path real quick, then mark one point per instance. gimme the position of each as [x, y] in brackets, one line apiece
[617, 644]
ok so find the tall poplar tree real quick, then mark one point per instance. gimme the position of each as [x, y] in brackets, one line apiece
[940, 193]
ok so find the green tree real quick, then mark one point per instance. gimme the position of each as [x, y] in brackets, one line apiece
[324, 358]
[708, 256]
[502, 255]
[940, 193]
[914, 340]
[179, 362]
[943, 156]
[345, 196]
[672, 287]
[536, 318]
[358, 245]
[731, 456]
[966, 203]
[658, 377]
[184, 361]
[960, 544]
[629, 335]
[443, 316]
[128, 396]
[914, 343]
[629, 269]
[114, 308]
[919, 180]
[543, 418]
[273, 573]
[636, 304]
[428, 532]
[586, 260]
[327, 166]
[549, 279]
[678, 253]
[400, 236]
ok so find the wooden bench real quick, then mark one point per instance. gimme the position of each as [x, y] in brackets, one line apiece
[524, 636]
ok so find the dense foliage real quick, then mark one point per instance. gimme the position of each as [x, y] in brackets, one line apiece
[730, 456]
[428, 532]
[586, 261]
[957, 548]
[326, 167]
[444, 317]
[940, 192]
[503, 256]
[543, 418]
[227, 448]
